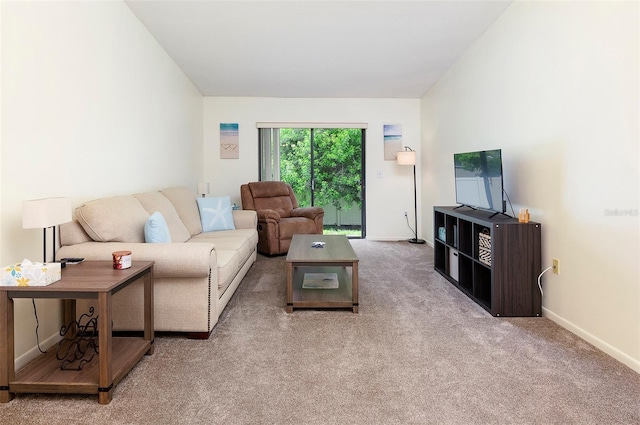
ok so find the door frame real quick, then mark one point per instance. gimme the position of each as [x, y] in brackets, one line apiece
[268, 146]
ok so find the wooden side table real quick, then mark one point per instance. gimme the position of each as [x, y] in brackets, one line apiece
[117, 355]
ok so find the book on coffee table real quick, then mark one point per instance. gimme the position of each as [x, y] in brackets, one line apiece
[320, 281]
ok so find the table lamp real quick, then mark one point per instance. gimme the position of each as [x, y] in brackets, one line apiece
[44, 213]
[203, 189]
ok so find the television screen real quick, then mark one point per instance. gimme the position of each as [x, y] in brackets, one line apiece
[478, 177]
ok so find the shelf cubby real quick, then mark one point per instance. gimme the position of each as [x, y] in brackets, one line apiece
[482, 284]
[438, 220]
[464, 237]
[465, 273]
[440, 248]
[451, 226]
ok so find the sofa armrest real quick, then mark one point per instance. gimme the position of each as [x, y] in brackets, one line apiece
[308, 212]
[245, 219]
[171, 260]
[266, 216]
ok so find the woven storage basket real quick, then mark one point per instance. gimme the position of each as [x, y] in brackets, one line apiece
[484, 247]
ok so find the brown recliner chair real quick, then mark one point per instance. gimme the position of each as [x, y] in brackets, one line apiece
[279, 217]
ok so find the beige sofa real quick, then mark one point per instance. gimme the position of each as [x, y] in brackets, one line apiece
[194, 276]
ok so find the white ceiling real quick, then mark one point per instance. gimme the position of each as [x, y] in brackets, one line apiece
[315, 49]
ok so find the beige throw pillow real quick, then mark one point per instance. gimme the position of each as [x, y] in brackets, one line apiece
[115, 219]
[184, 201]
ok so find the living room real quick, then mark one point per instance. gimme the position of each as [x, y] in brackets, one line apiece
[92, 106]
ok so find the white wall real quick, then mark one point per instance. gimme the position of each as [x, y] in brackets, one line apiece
[555, 85]
[387, 197]
[91, 107]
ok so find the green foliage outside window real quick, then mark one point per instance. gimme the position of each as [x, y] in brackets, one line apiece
[337, 165]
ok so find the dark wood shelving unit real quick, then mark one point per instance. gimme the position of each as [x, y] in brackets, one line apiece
[507, 286]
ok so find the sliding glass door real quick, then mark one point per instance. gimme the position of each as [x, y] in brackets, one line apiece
[325, 167]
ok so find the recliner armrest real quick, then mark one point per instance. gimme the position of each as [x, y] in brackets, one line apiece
[308, 212]
[265, 216]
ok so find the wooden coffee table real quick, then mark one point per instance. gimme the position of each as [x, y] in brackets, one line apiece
[117, 355]
[336, 256]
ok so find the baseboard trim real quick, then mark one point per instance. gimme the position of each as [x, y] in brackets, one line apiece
[382, 239]
[378, 239]
[593, 340]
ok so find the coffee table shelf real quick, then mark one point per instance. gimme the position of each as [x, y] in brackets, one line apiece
[340, 297]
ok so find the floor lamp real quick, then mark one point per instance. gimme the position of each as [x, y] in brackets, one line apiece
[44, 213]
[408, 157]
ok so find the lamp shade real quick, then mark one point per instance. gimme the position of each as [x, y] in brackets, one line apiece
[42, 213]
[203, 189]
[406, 158]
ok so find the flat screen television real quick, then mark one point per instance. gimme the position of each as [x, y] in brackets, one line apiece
[478, 178]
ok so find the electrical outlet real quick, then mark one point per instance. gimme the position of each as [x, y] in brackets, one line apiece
[405, 214]
[556, 266]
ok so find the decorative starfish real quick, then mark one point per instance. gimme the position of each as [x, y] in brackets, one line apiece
[218, 213]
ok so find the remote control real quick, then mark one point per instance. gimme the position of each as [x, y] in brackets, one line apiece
[73, 260]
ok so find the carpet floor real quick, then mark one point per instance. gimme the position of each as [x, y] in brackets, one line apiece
[418, 352]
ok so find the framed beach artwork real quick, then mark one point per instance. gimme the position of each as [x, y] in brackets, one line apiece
[229, 141]
[392, 141]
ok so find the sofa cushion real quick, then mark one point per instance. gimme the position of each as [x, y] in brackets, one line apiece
[215, 214]
[243, 242]
[184, 201]
[246, 234]
[156, 201]
[115, 219]
[232, 247]
[229, 262]
[156, 230]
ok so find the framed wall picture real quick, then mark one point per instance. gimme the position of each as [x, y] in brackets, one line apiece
[229, 141]
[392, 134]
